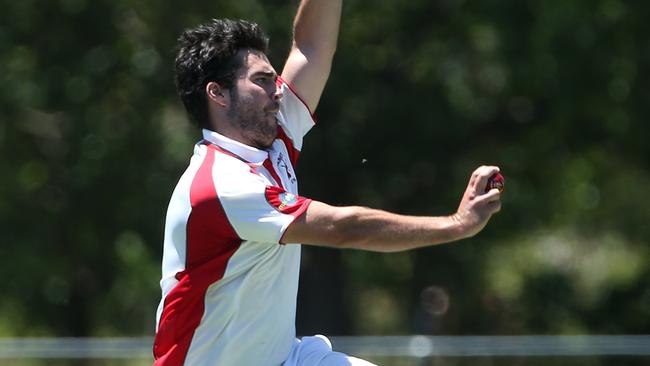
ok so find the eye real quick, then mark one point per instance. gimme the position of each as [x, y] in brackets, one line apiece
[264, 79]
[259, 78]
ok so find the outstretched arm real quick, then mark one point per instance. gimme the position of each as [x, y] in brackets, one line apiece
[315, 33]
[376, 230]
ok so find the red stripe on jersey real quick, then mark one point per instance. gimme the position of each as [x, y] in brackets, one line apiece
[293, 152]
[269, 166]
[211, 242]
[226, 152]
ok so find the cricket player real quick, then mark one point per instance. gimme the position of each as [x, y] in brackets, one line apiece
[231, 255]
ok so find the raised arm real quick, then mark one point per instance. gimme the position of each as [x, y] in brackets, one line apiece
[376, 230]
[315, 33]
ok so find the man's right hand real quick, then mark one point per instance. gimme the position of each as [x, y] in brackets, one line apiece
[477, 206]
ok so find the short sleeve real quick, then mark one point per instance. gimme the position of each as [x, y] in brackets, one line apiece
[294, 115]
[256, 211]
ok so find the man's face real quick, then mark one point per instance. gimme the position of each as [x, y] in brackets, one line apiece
[255, 100]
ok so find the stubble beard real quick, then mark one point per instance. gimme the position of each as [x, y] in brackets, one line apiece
[257, 125]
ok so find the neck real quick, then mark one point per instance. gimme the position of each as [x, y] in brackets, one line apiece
[226, 129]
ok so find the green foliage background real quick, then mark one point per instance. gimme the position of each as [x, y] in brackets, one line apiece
[93, 139]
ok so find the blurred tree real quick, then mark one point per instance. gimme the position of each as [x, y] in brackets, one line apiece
[93, 139]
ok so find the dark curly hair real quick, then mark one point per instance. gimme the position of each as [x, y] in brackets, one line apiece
[207, 53]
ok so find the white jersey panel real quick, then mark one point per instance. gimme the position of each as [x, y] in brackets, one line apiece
[294, 114]
[243, 197]
[254, 306]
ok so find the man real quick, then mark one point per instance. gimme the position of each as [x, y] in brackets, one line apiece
[230, 261]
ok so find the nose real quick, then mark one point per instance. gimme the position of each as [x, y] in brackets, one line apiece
[277, 94]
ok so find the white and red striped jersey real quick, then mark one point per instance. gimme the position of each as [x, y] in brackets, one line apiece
[228, 287]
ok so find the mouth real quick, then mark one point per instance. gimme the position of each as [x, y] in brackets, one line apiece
[274, 108]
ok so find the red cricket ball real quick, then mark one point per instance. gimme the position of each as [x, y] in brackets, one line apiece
[496, 181]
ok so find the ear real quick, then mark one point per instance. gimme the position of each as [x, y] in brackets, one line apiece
[217, 94]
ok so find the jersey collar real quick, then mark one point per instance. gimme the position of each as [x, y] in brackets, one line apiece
[248, 153]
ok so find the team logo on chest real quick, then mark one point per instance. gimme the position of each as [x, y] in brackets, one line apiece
[287, 168]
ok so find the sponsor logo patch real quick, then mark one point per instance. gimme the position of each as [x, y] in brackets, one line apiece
[285, 202]
[286, 199]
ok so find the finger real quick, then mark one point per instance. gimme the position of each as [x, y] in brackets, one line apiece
[490, 197]
[482, 175]
[493, 195]
[494, 207]
[492, 200]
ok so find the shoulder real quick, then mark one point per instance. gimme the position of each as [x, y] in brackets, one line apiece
[217, 172]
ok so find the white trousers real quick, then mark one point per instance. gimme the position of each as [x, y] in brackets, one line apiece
[317, 351]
